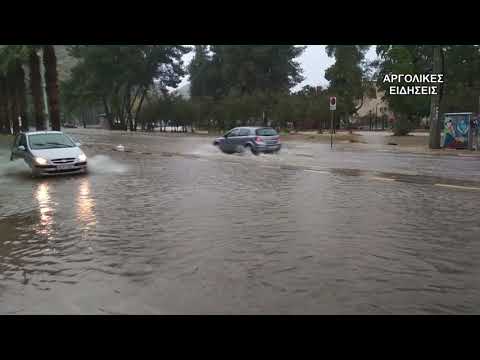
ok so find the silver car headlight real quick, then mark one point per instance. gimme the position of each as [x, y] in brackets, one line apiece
[41, 161]
[82, 157]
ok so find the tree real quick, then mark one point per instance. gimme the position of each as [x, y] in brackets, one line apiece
[4, 117]
[245, 69]
[462, 78]
[199, 70]
[348, 77]
[51, 85]
[36, 88]
[314, 102]
[203, 112]
[13, 102]
[119, 77]
[12, 58]
[404, 59]
[21, 95]
[265, 70]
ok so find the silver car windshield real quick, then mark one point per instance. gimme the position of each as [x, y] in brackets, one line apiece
[49, 141]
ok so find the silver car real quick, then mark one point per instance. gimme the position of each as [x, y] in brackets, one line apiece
[49, 153]
[256, 139]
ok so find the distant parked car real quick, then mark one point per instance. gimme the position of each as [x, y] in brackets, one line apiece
[255, 139]
[49, 153]
[70, 126]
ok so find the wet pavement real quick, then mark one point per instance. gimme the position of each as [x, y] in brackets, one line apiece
[172, 226]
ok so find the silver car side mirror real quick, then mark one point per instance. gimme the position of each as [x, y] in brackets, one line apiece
[21, 148]
[78, 144]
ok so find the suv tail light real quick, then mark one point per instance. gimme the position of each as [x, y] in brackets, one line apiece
[258, 139]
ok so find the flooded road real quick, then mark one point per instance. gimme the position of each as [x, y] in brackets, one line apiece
[172, 226]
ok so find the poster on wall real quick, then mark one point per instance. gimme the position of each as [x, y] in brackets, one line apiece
[455, 130]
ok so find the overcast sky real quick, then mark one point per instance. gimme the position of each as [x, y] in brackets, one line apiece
[314, 62]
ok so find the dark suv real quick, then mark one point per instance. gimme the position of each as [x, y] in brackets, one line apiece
[255, 139]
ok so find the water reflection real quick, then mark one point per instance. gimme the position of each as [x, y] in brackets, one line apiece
[228, 237]
[85, 205]
[45, 227]
[86, 210]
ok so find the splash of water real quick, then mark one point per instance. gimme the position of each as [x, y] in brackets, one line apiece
[211, 150]
[17, 167]
[102, 164]
[206, 150]
[98, 164]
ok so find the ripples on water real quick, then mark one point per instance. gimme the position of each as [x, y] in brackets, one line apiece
[153, 234]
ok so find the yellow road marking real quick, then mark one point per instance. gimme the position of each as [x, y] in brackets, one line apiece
[317, 171]
[381, 178]
[458, 187]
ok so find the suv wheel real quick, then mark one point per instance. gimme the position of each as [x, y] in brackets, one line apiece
[254, 152]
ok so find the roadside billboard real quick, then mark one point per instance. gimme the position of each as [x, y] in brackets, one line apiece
[456, 128]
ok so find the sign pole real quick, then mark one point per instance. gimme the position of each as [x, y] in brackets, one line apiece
[331, 129]
[333, 107]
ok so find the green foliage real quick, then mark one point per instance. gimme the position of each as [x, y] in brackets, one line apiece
[404, 59]
[303, 110]
[200, 72]
[399, 59]
[462, 75]
[348, 77]
[244, 69]
[119, 76]
[12, 60]
[10, 55]
[460, 91]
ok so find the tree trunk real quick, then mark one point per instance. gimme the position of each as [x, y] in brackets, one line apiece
[36, 89]
[4, 124]
[22, 96]
[139, 108]
[130, 122]
[347, 122]
[12, 103]
[108, 114]
[51, 81]
[320, 130]
[434, 141]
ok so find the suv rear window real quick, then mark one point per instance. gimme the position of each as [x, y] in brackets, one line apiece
[266, 132]
[244, 132]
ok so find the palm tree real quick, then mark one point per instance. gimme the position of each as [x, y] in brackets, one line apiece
[9, 59]
[12, 101]
[36, 88]
[51, 82]
[21, 95]
[14, 104]
[4, 119]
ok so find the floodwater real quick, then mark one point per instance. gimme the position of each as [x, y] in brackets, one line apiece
[172, 226]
